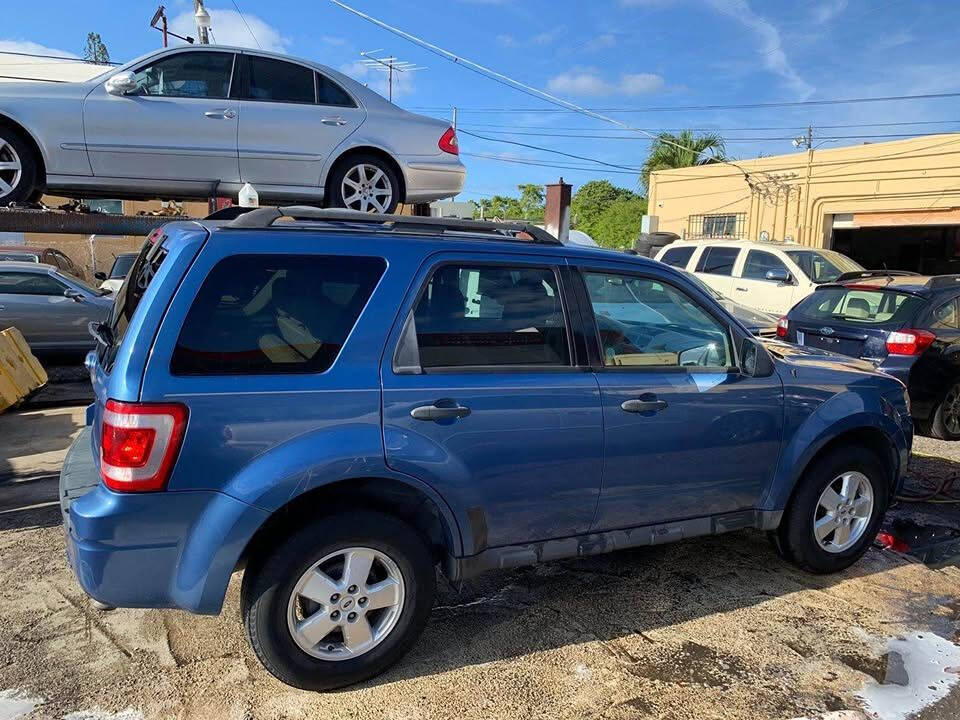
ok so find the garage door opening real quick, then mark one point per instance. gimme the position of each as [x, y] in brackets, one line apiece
[929, 250]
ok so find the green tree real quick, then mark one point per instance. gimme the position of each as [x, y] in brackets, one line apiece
[96, 51]
[680, 151]
[591, 199]
[619, 224]
[531, 201]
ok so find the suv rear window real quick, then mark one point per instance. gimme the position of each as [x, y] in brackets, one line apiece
[269, 314]
[864, 305]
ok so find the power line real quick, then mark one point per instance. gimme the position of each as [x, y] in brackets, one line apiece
[687, 108]
[537, 163]
[488, 126]
[727, 140]
[240, 13]
[53, 57]
[550, 150]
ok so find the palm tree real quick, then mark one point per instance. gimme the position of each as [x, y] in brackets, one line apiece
[679, 151]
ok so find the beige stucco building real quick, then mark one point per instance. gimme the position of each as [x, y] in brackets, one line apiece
[894, 203]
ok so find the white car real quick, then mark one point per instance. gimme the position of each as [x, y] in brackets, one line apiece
[771, 277]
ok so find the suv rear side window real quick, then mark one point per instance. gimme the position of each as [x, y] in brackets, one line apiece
[678, 257]
[268, 314]
[491, 315]
[718, 260]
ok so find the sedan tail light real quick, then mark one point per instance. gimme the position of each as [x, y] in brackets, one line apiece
[139, 443]
[782, 327]
[909, 342]
[448, 142]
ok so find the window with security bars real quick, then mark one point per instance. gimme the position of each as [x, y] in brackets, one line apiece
[731, 225]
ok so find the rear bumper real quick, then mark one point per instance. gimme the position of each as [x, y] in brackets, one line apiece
[151, 550]
[427, 181]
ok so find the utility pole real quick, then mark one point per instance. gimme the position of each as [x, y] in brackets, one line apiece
[806, 190]
[388, 65]
[202, 18]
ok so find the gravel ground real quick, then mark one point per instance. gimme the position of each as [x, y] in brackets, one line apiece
[710, 628]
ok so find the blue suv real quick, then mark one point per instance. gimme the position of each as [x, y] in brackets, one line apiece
[339, 403]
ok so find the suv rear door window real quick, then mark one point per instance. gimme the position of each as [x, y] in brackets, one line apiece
[472, 315]
[267, 314]
[678, 257]
[718, 260]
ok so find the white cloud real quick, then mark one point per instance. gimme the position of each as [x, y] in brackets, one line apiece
[378, 80]
[507, 40]
[229, 29]
[27, 46]
[540, 39]
[827, 10]
[334, 40]
[589, 82]
[606, 40]
[768, 38]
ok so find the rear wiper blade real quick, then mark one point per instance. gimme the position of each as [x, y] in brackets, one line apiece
[101, 332]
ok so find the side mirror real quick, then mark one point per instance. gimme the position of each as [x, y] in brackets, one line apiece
[100, 275]
[755, 361]
[780, 275]
[121, 84]
[73, 295]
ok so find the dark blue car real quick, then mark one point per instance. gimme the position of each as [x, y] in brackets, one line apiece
[907, 325]
[339, 403]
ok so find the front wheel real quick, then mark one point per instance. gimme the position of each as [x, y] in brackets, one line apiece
[836, 510]
[339, 601]
[365, 183]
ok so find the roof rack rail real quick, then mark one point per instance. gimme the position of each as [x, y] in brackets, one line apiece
[864, 274]
[266, 216]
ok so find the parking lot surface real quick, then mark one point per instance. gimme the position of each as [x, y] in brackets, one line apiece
[712, 628]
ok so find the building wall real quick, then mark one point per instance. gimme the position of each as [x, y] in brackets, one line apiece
[796, 196]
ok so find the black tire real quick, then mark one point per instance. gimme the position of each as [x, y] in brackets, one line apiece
[938, 424]
[24, 185]
[348, 166]
[269, 582]
[795, 539]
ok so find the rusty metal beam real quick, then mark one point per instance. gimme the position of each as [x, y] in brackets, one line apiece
[76, 223]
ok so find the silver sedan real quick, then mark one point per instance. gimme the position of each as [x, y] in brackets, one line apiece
[196, 122]
[51, 309]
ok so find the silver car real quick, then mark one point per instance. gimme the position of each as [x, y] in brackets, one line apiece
[196, 122]
[51, 309]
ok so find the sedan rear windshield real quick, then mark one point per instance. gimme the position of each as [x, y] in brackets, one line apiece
[867, 306]
[822, 266]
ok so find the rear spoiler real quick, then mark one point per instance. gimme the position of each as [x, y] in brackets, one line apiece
[864, 274]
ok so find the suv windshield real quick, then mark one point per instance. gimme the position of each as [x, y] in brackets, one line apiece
[822, 266]
[859, 304]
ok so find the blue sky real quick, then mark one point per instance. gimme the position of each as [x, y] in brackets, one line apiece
[622, 54]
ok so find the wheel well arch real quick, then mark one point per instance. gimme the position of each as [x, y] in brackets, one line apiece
[7, 121]
[871, 438]
[391, 497]
[366, 150]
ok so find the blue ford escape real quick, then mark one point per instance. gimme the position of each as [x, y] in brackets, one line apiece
[339, 403]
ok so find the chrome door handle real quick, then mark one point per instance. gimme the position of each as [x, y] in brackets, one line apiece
[642, 406]
[333, 121]
[225, 113]
[448, 410]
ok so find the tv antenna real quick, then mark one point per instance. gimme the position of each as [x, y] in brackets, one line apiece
[389, 65]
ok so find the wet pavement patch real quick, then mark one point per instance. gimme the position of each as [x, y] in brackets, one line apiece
[692, 663]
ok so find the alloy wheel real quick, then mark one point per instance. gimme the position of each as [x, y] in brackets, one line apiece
[366, 188]
[346, 604]
[11, 168]
[843, 512]
[951, 410]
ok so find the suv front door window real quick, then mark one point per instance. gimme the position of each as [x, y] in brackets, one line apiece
[755, 290]
[179, 122]
[481, 373]
[674, 403]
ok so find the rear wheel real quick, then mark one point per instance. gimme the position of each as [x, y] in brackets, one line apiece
[18, 167]
[339, 601]
[835, 511]
[365, 183]
[944, 424]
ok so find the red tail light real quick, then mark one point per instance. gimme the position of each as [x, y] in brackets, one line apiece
[448, 142]
[909, 342]
[782, 327]
[139, 443]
